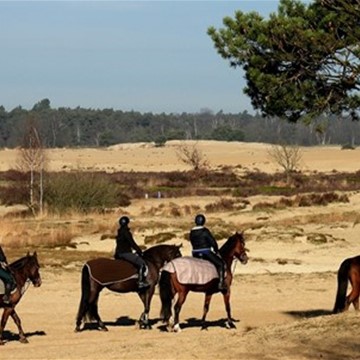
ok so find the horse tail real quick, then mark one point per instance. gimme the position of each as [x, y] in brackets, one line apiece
[166, 295]
[85, 308]
[342, 284]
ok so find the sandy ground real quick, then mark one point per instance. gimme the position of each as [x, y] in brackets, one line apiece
[282, 298]
[147, 157]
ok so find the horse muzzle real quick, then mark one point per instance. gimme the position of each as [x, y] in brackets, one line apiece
[243, 258]
[37, 282]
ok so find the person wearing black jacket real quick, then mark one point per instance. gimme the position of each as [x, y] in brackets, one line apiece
[125, 245]
[204, 246]
[6, 276]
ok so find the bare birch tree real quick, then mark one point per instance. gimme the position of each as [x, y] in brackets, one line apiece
[288, 157]
[32, 159]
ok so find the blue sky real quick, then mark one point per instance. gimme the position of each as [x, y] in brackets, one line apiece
[147, 56]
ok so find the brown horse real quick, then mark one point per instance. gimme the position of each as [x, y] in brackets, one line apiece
[24, 270]
[234, 247]
[349, 270]
[121, 276]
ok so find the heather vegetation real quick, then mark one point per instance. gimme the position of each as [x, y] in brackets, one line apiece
[98, 191]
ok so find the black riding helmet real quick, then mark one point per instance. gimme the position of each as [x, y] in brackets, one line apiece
[200, 220]
[124, 220]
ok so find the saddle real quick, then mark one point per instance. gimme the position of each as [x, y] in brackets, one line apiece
[190, 270]
[108, 271]
[2, 287]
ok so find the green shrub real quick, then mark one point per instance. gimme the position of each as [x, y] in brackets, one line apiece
[82, 192]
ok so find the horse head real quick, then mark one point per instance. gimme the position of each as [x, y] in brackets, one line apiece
[32, 265]
[240, 249]
[234, 247]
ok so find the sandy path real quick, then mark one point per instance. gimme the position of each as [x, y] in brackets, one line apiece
[48, 315]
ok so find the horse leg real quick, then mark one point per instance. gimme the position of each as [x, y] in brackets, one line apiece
[353, 297]
[3, 322]
[206, 310]
[230, 321]
[356, 303]
[17, 321]
[88, 303]
[146, 299]
[177, 308]
[95, 312]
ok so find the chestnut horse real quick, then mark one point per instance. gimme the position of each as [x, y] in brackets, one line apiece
[234, 247]
[121, 276]
[349, 270]
[24, 270]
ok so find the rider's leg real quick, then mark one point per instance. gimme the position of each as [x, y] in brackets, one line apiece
[220, 267]
[9, 284]
[141, 265]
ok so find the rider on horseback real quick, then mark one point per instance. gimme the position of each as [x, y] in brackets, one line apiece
[6, 276]
[125, 244]
[205, 246]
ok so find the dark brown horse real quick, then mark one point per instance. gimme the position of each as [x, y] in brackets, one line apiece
[349, 270]
[24, 270]
[234, 247]
[121, 276]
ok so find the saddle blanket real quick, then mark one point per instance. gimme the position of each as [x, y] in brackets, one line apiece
[108, 271]
[190, 270]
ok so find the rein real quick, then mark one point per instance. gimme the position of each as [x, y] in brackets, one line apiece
[235, 260]
[25, 287]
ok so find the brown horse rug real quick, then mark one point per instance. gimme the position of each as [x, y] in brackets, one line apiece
[190, 270]
[108, 271]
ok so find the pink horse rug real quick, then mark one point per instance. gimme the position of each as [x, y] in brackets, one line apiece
[191, 270]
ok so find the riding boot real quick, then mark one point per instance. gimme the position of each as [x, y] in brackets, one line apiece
[142, 283]
[6, 297]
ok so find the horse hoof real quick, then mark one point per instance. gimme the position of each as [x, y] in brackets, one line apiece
[2, 342]
[104, 328]
[230, 325]
[24, 341]
[177, 328]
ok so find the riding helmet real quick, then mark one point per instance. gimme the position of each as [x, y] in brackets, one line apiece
[200, 219]
[124, 220]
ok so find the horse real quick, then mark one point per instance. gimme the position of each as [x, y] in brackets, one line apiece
[169, 284]
[121, 276]
[349, 270]
[24, 270]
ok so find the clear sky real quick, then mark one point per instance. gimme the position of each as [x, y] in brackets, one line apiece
[147, 56]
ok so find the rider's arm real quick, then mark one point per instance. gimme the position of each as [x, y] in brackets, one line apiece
[212, 241]
[133, 244]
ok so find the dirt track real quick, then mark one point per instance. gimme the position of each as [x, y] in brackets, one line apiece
[258, 301]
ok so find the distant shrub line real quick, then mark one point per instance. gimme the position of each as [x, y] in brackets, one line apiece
[88, 191]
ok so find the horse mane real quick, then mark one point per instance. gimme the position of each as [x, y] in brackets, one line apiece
[19, 263]
[229, 244]
[149, 253]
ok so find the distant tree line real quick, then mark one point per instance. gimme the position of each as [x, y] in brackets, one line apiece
[81, 127]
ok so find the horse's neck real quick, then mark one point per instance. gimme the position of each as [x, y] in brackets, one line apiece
[229, 261]
[228, 258]
[20, 277]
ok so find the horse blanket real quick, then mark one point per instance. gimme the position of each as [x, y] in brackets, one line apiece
[190, 270]
[108, 271]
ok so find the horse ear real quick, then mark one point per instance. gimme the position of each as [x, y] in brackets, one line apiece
[28, 253]
[35, 254]
[180, 246]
